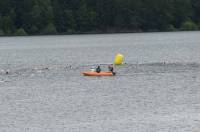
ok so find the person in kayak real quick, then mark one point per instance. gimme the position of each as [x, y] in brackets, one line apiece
[98, 69]
[111, 69]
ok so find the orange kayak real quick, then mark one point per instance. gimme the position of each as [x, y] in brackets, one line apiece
[97, 74]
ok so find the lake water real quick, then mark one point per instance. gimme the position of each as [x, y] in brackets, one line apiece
[157, 90]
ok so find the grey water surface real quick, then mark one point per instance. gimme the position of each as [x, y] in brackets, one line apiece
[156, 90]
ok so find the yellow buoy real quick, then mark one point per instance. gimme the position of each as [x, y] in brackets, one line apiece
[119, 58]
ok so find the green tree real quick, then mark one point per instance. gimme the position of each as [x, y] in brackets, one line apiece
[20, 32]
[50, 29]
[7, 25]
[196, 10]
[171, 28]
[82, 17]
[41, 15]
[181, 12]
[1, 32]
[75, 16]
[70, 21]
[189, 26]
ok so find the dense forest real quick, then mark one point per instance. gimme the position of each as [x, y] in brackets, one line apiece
[33, 17]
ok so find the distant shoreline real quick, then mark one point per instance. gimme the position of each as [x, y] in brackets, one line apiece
[93, 33]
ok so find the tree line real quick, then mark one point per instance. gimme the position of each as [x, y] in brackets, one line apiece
[33, 17]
